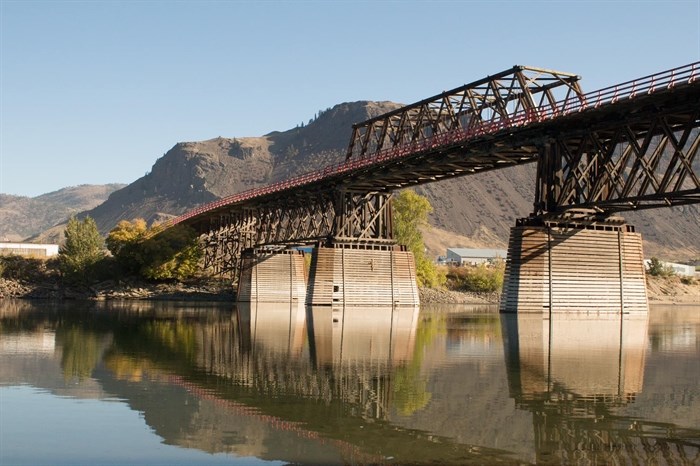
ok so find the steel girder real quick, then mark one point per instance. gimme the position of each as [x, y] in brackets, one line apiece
[627, 165]
[495, 98]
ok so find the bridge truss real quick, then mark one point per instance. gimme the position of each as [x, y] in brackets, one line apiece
[508, 95]
[342, 216]
[626, 147]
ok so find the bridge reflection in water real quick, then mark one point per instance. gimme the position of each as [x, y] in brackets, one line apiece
[379, 386]
[572, 371]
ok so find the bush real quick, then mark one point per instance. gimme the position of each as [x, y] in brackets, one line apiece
[687, 280]
[428, 274]
[483, 278]
[174, 253]
[27, 268]
[657, 268]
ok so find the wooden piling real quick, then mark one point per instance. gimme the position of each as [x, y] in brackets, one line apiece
[345, 275]
[272, 276]
[562, 268]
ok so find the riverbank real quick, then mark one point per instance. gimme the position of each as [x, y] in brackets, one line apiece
[194, 290]
[673, 290]
[670, 290]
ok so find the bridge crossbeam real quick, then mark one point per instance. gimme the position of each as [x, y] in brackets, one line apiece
[362, 217]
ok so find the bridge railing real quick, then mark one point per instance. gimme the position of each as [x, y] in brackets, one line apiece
[663, 81]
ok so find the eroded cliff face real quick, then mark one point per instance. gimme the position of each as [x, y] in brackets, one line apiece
[482, 207]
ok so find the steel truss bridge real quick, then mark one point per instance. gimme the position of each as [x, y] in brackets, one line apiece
[625, 147]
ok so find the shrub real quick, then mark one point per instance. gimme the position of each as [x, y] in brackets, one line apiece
[687, 280]
[174, 253]
[657, 268]
[483, 278]
[26, 268]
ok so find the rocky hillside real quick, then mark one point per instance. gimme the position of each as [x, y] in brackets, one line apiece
[22, 217]
[482, 208]
[192, 173]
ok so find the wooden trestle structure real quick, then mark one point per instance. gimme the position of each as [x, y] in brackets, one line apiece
[626, 147]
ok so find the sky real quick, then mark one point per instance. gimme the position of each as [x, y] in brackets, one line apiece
[94, 92]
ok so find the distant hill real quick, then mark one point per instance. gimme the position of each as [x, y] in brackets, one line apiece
[22, 217]
[481, 208]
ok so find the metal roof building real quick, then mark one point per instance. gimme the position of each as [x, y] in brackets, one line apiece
[466, 256]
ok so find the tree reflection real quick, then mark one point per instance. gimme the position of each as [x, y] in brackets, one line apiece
[82, 351]
[409, 387]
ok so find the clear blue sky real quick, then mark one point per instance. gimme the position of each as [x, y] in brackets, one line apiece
[94, 92]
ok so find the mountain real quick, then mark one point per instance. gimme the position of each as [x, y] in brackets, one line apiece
[193, 173]
[482, 208]
[22, 217]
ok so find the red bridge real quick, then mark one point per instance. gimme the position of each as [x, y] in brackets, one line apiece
[625, 147]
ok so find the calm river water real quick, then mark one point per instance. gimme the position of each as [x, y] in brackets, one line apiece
[182, 383]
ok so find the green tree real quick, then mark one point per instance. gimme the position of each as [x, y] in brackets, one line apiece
[83, 248]
[410, 213]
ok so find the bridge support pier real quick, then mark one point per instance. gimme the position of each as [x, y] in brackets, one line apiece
[362, 275]
[570, 264]
[272, 276]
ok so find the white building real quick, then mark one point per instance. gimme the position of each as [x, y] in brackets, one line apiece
[468, 256]
[28, 249]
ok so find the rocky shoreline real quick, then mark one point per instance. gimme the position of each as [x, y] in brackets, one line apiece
[660, 290]
[195, 290]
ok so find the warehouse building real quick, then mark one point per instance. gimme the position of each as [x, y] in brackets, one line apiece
[468, 256]
[28, 249]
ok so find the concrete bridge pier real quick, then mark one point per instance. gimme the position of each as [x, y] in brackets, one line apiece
[352, 274]
[272, 276]
[574, 263]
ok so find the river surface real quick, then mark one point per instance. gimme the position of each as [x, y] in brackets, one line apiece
[168, 383]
